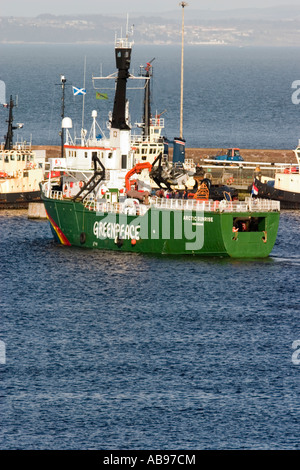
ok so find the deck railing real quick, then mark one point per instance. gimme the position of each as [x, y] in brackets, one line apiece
[249, 205]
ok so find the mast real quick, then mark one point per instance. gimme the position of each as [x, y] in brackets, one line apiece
[179, 143]
[63, 82]
[84, 73]
[123, 57]
[9, 136]
[182, 4]
[147, 107]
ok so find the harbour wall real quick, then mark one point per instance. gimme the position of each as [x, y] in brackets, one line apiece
[199, 154]
[249, 155]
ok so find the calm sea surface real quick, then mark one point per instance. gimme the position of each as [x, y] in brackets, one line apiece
[232, 96]
[122, 351]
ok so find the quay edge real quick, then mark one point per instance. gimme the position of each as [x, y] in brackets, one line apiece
[285, 156]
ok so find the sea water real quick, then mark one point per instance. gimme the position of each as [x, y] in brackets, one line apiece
[233, 97]
[108, 350]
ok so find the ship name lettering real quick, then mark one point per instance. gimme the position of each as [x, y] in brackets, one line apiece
[194, 218]
[112, 230]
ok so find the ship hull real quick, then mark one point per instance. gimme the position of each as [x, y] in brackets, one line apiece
[159, 231]
[288, 199]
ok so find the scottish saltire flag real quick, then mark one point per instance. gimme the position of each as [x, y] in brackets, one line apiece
[254, 190]
[101, 96]
[78, 91]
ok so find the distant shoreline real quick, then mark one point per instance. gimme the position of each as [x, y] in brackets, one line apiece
[239, 27]
[141, 44]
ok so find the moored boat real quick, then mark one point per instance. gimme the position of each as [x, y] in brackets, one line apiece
[20, 174]
[285, 187]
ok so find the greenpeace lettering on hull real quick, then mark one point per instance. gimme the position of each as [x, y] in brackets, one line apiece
[103, 230]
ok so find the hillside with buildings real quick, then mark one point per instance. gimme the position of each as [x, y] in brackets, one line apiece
[245, 27]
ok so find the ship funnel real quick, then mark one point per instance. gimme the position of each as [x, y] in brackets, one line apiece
[123, 57]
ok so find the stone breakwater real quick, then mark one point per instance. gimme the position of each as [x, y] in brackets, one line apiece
[198, 154]
[249, 155]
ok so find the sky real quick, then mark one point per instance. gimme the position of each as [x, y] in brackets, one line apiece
[104, 7]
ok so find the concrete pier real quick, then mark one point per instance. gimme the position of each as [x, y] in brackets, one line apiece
[36, 210]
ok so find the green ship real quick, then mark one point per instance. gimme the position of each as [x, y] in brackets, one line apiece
[240, 231]
[96, 203]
